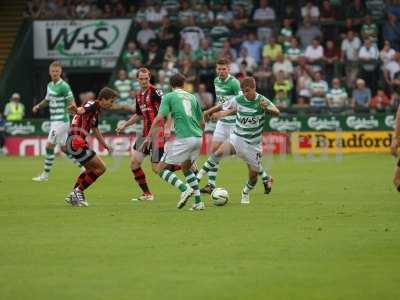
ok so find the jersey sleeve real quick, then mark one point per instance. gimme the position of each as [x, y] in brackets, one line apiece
[231, 104]
[165, 107]
[137, 105]
[68, 93]
[157, 95]
[90, 107]
[236, 87]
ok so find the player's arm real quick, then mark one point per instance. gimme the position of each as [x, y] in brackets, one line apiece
[396, 138]
[101, 139]
[209, 112]
[168, 126]
[42, 104]
[269, 107]
[221, 114]
[132, 120]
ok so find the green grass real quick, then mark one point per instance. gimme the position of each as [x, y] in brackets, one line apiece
[329, 230]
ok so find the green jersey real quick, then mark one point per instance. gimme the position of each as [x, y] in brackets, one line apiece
[185, 111]
[59, 95]
[250, 117]
[225, 90]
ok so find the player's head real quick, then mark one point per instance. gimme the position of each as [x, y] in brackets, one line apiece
[106, 97]
[177, 81]
[248, 87]
[55, 70]
[143, 75]
[222, 68]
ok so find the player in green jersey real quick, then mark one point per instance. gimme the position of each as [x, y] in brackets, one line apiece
[245, 141]
[226, 87]
[58, 98]
[185, 148]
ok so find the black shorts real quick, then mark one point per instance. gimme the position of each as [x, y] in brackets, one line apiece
[82, 155]
[155, 151]
[398, 163]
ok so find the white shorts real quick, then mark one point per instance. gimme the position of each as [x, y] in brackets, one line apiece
[58, 133]
[222, 132]
[180, 150]
[251, 154]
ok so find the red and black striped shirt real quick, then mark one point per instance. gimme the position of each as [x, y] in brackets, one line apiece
[147, 105]
[82, 124]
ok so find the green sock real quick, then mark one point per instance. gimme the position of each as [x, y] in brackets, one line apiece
[172, 179]
[248, 187]
[49, 160]
[191, 179]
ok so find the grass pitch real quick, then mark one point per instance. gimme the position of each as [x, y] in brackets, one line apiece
[329, 230]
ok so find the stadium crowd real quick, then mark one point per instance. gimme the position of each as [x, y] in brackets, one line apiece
[307, 56]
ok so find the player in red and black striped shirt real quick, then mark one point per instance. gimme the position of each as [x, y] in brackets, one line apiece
[84, 121]
[148, 101]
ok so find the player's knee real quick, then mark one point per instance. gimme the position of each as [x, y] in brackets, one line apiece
[155, 169]
[101, 169]
[134, 164]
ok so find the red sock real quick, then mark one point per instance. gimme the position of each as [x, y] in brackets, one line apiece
[86, 179]
[140, 178]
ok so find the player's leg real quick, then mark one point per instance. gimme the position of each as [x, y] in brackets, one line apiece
[48, 161]
[266, 179]
[250, 184]
[94, 168]
[139, 175]
[61, 140]
[396, 178]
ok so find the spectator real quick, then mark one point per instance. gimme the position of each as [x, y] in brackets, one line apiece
[144, 35]
[318, 89]
[192, 34]
[219, 33]
[94, 13]
[120, 10]
[282, 84]
[132, 67]
[272, 49]
[205, 56]
[131, 52]
[154, 56]
[225, 14]
[240, 15]
[327, 12]
[246, 60]
[186, 53]
[108, 11]
[204, 97]
[380, 102]
[233, 66]
[307, 32]
[123, 86]
[82, 9]
[294, 51]
[253, 47]
[35, 8]
[185, 13]
[310, 11]
[391, 31]
[356, 12]
[264, 16]
[286, 34]
[237, 35]
[227, 51]
[302, 84]
[162, 82]
[368, 57]
[361, 96]
[155, 14]
[14, 110]
[3, 150]
[369, 30]
[170, 58]
[190, 73]
[331, 60]
[168, 34]
[140, 16]
[395, 87]
[350, 47]
[392, 69]
[284, 65]
[205, 16]
[281, 100]
[263, 76]
[337, 96]
[314, 54]
[387, 54]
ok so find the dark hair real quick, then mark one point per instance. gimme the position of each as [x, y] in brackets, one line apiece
[248, 82]
[107, 93]
[223, 61]
[177, 80]
[143, 70]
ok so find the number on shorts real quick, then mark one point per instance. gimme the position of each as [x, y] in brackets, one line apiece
[187, 105]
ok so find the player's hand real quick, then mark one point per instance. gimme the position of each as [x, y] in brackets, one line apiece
[120, 128]
[35, 109]
[215, 116]
[206, 117]
[145, 145]
[393, 147]
[109, 148]
[73, 108]
[264, 105]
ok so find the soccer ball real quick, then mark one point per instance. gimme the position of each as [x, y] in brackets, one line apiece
[219, 196]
